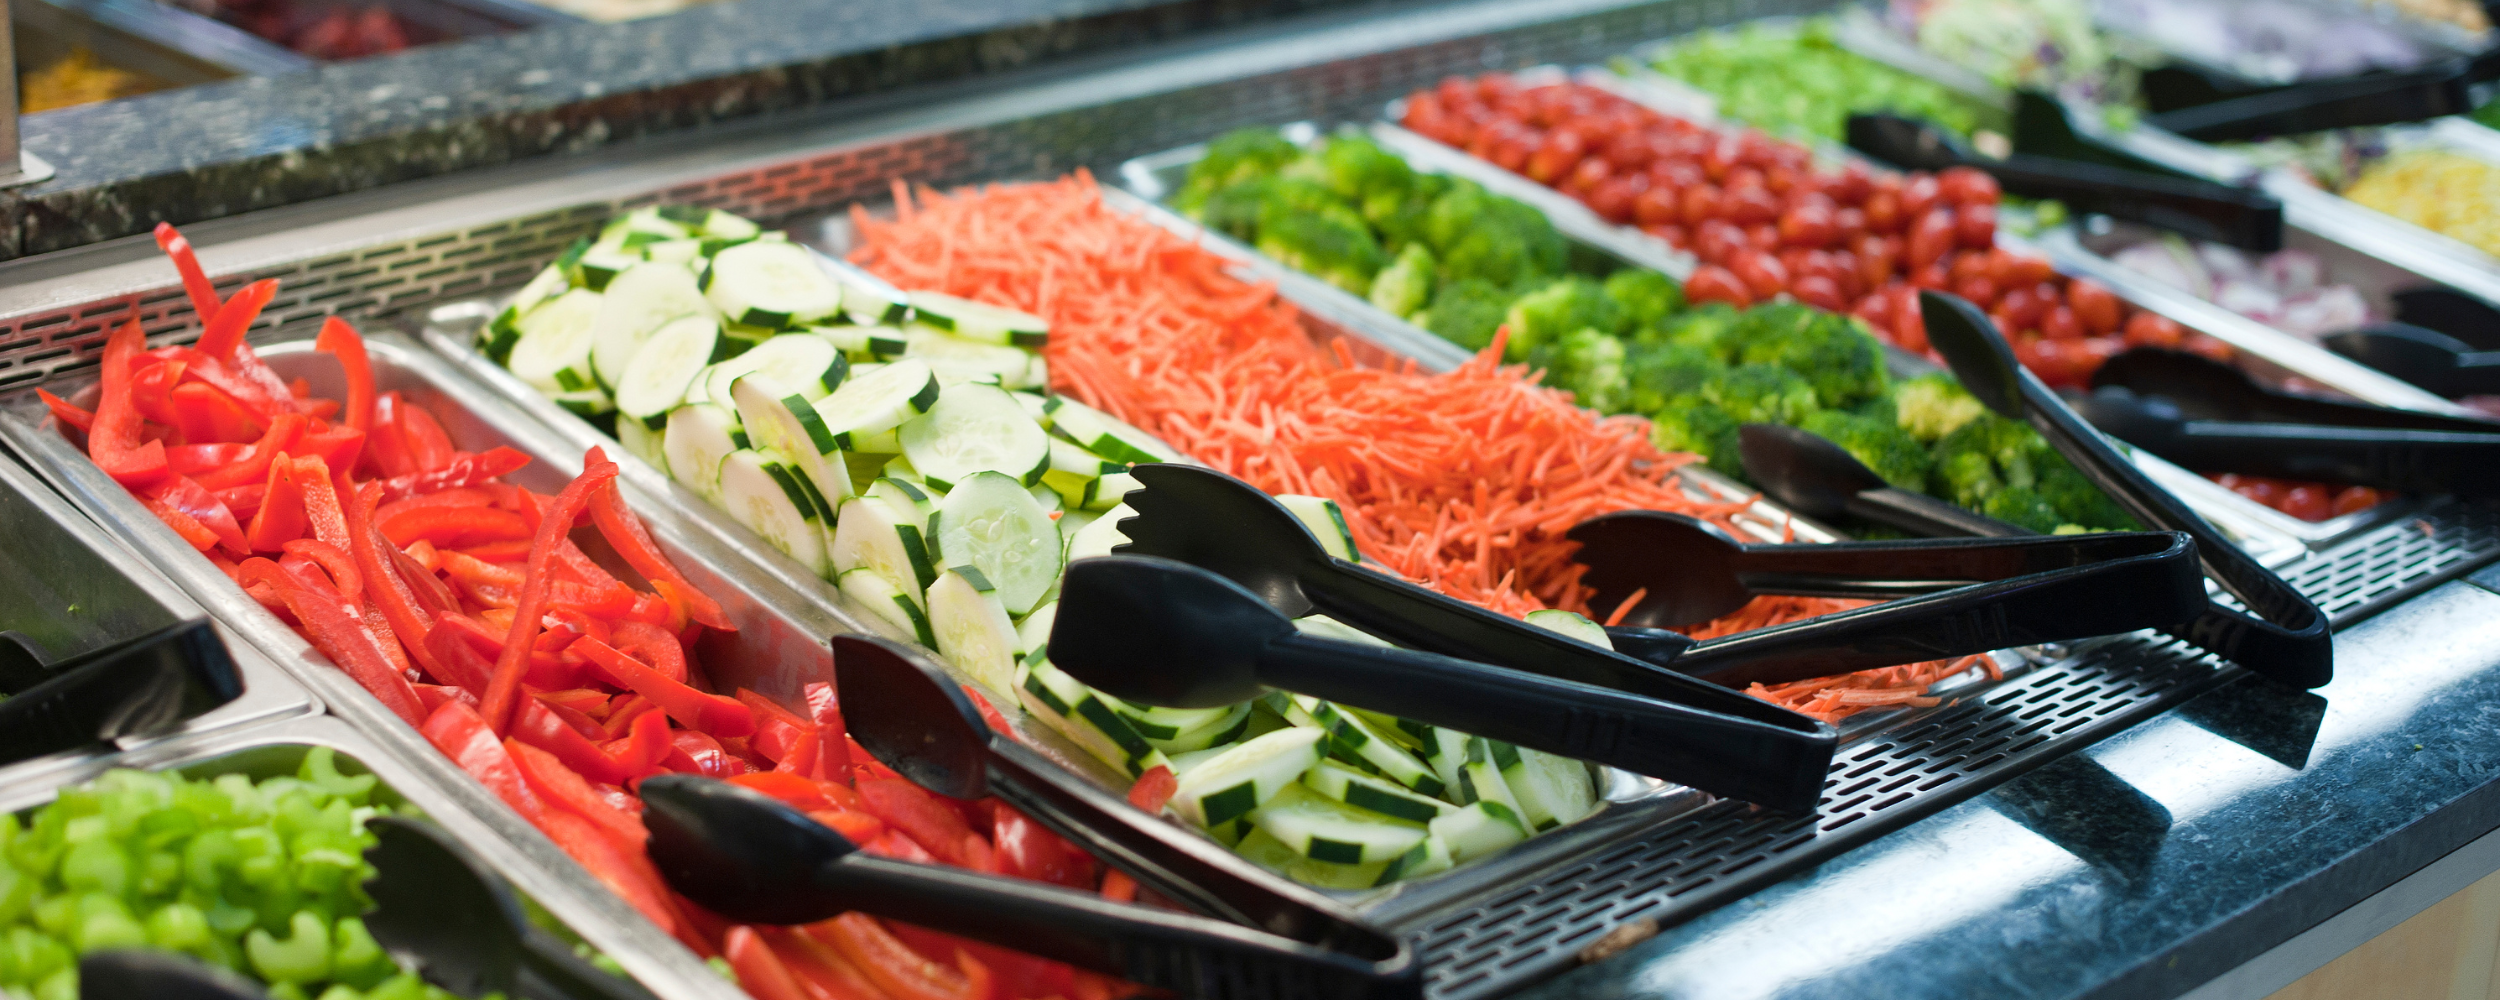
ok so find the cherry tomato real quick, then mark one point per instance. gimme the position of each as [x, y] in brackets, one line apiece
[2353, 499]
[1919, 194]
[1762, 273]
[1720, 157]
[2308, 502]
[2153, 330]
[1764, 237]
[2094, 305]
[1510, 151]
[1457, 90]
[2265, 491]
[1493, 85]
[1877, 257]
[1849, 221]
[1967, 186]
[1965, 266]
[1675, 235]
[1586, 175]
[1932, 277]
[1883, 211]
[1717, 240]
[1701, 204]
[1976, 225]
[2058, 362]
[1931, 237]
[1982, 292]
[2021, 307]
[2016, 269]
[1612, 198]
[2209, 347]
[1712, 283]
[1750, 205]
[2059, 323]
[1808, 225]
[1818, 291]
[1677, 174]
[1844, 270]
[1909, 330]
[1656, 206]
[1631, 151]
[1851, 185]
[1554, 158]
[1779, 180]
[1876, 310]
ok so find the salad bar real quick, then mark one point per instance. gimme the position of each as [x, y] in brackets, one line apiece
[1458, 502]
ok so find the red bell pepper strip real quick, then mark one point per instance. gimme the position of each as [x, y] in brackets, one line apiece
[644, 746]
[204, 414]
[243, 500]
[1012, 974]
[341, 341]
[431, 592]
[281, 516]
[114, 441]
[514, 551]
[1153, 789]
[827, 975]
[392, 596]
[321, 501]
[1118, 887]
[201, 368]
[625, 533]
[457, 731]
[334, 561]
[251, 464]
[1027, 850]
[432, 696]
[456, 662]
[339, 634]
[198, 536]
[932, 824]
[707, 713]
[388, 447]
[777, 729]
[533, 598]
[464, 470]
[455, 497]
[902, 973]
[151, 390]
[337, 447]
[581, 701]
[625, 871]
[697, 753]
[609, 602]
[559, 786]
[452, 527]
[545, 730]
[798, 792]
[623, 709]
[760, 972]
[659, 648]
[194, 459]
[186, 495]
[429, 449]
[224, 332]
[800, 757]
[194, 278]
[66, 412]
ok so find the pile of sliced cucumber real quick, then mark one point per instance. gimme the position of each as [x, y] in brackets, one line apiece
[904, 446]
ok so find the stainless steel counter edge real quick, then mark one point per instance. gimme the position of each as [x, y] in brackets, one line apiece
[581, 900]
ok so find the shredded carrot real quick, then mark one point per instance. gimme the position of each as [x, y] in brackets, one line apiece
[1463, 481]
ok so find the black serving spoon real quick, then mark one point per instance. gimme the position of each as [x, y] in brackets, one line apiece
[2416, 461]
[2202, 210]
[2438, 90]
[438, 911]
[143, 686]
[906, 712]
[2286, 638]
[132, 973]
[2205, 389]
[753, 859]
[1161, 632]
[2435, 361]
[1814, 477]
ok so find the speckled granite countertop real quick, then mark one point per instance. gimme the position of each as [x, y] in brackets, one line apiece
[242, 145]
[2146, 865]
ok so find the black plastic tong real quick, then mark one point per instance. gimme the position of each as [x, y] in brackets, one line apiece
[137, 687]
[1951, 597]
[2286, 638]
[128, 973]
[2436, 361]
[2202, 210]
[440, 912]
[2447, 87]
[754, 859]
[1810, 475]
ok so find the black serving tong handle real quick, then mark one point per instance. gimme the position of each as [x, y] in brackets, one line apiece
[2418, 461]
[1624, 556]
[2435, 361]
[133, 973]
[2446, 310]
[2176, 85]
[755, 859]
[2044, 126]
[2198, 209]
[139, 687]
[439, 911]
[2286, 638]
[2442, 89]
[2205, 389]
[943, 745]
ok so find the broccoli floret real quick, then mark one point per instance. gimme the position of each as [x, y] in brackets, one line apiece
[1546, 315]
[1762, 394]
[1695, 426]
[2009, 447]
[2024, 506]
[1967, 478]
[1234, 157]
[1234, 211]
[1466, 312]
[1845, 365]
[1591, 365]
[1645, 296]
[2078, 502]
[1406, 284]
[1453, 214]
[1357, 167]
[1399, 214]
[1884, 447]
[1882, 408]
[1669, 372]
[1934, 405]
[1329, 242]
[1480, 235]
[1709, 328]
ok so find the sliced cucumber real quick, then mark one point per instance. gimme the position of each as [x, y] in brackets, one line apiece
[1097, 537]
[604, 260]
[1551, 790]
[1107, 492]
[1363, 791]
[1324, 829]
[1480, 777]
[1430, 857]
[871, 535]
[1573, 625]
[803, 364]
[1354, 741]
[1036, 406]
[584, 403]
[642, 442]
[885, 600]
[877, 402]
[1033, 633]
[1325, 520]
[553, 354]
[1106, 435]
[639, 301]
[683, 253]
[1084, 717]
[1330, 628]
[505, 329]
[957, 360]
[1222, 730]
[656, 381]
[699, 437]
[785, 423]
[1183, 763]
[899, 467]
[765, 495]
[1448, 756]
[1479, 829]
[712, 223]
[1070, 457]
[1246, 777]
[905, 499]
[1051, 501]
[975, 428]
[881, 342]
[973, 631]
[771, 285]
[980, 321]
[1267, 852]
[866, 299]
[989, 522]
[652, 222]
[1159, 724]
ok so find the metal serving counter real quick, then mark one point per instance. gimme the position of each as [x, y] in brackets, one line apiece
[2120, 806]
